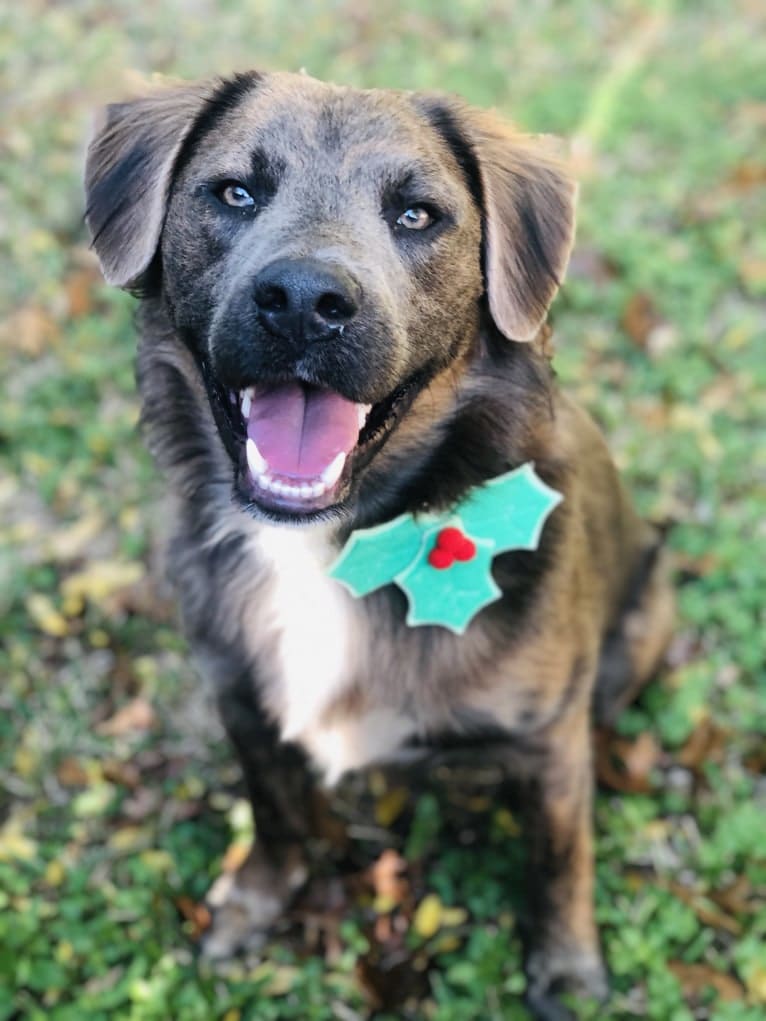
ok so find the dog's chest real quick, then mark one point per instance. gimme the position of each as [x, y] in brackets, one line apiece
[319, 635]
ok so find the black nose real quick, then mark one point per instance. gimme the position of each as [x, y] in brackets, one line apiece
[305, 299]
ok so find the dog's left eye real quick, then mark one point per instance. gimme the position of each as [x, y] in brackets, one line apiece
[235, 195]
[415, 218]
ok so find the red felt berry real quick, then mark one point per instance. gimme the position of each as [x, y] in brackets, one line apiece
[440, 558]
[450, 539]
[466, 550]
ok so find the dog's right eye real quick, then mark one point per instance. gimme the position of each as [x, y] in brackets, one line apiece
[236, 195]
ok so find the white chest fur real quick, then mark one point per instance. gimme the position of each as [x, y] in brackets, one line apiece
[313, 620]
[320, 631]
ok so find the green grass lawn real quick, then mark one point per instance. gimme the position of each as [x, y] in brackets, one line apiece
[118, 798]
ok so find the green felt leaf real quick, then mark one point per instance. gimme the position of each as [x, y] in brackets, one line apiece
[449, 597]
[510, 510]
[374, 556]
[506, 513]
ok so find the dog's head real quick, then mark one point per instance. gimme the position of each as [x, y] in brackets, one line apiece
[326, 253]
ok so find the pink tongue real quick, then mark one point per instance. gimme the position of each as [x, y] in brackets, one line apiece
[300, 430]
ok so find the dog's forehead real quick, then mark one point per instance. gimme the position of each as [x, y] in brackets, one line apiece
[297, 120]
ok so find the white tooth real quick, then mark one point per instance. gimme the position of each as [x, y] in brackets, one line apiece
[306, 491]
[332, 472]
[363, 411]
[317, 489]
[247, 400]
[256, 462]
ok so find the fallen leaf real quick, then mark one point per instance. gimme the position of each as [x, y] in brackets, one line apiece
[79, 289]
[703, 908]
[127, 839]
[705, 744]
[734, 898]
[196, 913]
[54, 874]
[427, 919]
[30, 331]
[639, 318]
[753, 273]
[126, 774]
[101, 579]
[72, 541]
[14, 843]
[696, 978]
[389, 807]
[280, 979]
[756, 983]
[624, 765]
[93, 801]
[45, 615]
[746, 176]
[236, 854]
[137, 716]
[388, 876]
[71, 773]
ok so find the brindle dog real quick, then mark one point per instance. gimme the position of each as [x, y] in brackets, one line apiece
[344, 296]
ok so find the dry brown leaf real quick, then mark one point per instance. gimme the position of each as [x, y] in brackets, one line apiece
[703, 908]
[734, 898]
[136, 716]
[125, 774]
[388, 876]
[696, 978]
[79, 289]
[746, 176]
[626, 766]
[704, 744]
[639, 318]
[31, 331]
[71, 773]
[196, 913]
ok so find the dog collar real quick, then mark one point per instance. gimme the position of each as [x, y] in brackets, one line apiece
[443, 562]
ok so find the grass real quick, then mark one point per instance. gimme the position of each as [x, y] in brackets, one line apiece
[118, 798]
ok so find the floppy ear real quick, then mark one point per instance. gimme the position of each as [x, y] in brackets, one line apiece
[128, 173]
[528, 206]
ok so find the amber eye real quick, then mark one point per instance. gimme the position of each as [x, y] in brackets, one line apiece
[415, 218]
[236, 195]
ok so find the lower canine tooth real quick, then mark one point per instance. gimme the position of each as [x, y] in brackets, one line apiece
[332, 472]
[255, 460]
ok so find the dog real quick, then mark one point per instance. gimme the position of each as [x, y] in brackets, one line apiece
[343, 312]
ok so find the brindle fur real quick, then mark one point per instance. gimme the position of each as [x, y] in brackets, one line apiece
[582, 621]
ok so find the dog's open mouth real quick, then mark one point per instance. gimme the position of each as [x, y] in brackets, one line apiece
[302, 442]
[299, 439]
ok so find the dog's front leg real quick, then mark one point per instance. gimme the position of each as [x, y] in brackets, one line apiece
[246, 903]
[561, 941]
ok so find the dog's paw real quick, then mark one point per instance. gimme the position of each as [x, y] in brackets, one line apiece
[553, 972]
[245, 904]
